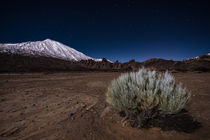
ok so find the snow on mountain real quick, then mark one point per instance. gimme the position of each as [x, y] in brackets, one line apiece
[197, 57]
[47, 48]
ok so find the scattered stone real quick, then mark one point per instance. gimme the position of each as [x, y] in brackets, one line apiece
[71, 114]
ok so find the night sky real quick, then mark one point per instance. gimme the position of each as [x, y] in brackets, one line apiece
[116, 29]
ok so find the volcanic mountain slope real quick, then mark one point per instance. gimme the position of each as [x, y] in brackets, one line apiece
[46, 48]
[47, 55]
[199, 63]
[19, 63]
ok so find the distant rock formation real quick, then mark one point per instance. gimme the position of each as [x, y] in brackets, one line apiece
[50, 55]
[20, 63]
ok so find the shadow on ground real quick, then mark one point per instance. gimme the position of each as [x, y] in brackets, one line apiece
[182, 122]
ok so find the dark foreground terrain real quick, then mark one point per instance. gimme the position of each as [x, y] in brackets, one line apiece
[72, 106]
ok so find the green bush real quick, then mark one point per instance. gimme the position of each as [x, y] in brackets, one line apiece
[146, 94]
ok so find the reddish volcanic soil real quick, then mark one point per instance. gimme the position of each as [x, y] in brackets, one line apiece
[72, 106]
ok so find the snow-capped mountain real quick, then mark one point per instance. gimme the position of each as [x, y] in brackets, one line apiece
[47, 48]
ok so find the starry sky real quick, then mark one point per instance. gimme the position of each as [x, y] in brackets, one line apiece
[115, 29]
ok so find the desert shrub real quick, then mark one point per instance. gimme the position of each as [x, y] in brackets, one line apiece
[146, 94]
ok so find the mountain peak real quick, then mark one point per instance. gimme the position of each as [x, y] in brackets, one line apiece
[49, 40]
[47, 48]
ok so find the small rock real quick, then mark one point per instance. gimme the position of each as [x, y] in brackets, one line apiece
[71, 114]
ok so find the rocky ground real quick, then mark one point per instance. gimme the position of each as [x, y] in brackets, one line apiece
[72, 106]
